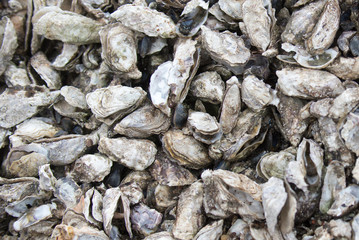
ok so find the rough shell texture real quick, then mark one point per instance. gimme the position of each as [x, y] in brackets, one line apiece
[309, 84]
[146, 20]
[134, 154]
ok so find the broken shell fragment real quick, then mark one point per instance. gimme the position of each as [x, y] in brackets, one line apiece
[232, 8]
[74, 96]
[8, 42]
[68, 27]
[185, 150]
[133, 153]
[146, 20]
[308, 83]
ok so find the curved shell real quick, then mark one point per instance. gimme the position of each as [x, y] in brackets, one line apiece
[133, 153]
[308, 83]
[111, 103]
[68, 27]
[146, 20]
[118, 47]
[143, 122]
[186, 150]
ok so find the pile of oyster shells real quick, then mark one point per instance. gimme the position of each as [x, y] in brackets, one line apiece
[179, 119]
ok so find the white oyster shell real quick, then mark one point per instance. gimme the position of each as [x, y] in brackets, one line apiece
[91, 168]
[111, 103]
[43, 67]
[256, 94]
[232, 8]
[143, 122]
[19, 105]
[186, 150]
[212, 231]
[190, 215]
[146, 20]
[225, 47]
[68, 27]
[308, 83]
[74, 96]
[208, 87]
[345, 68]
[133, 153]
[258, 28]
[349, 132]
[119, 47]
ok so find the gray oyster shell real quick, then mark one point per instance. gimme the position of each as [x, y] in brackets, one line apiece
[69, 27]
[136, 154]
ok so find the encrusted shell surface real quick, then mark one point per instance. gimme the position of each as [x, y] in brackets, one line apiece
[143, 122]
[308, 83]
[136, 154]
[69, 27]
[111, 103]
[190, 215]
[259, 27]
[208, 87]
[225, 47]
[146, 20]
[118, 47]
[186, 150]
[345, 68]
[91, 168]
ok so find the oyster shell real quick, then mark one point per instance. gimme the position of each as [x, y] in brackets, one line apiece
[345, 68]
[258, 28]
[231, 105]
[347, 199]
[185, 150]
[193, 16]
[256, 94]
[226, 48]
[349, 132]
[334, 182]
[308, 83]
[8, 43]
[232, 8]
[19, 105]
[91, 168]
[146, 20]
[118, 47]
[144, 219]
[212, 231]
[111, 103]
[43, 67]
[227, 193]
[204, 127]
[143, 122]
[326, 27]
[135, 154]
[274, 164]
[68, 27]
[208, 86]
[169, 173]
[190, 216]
